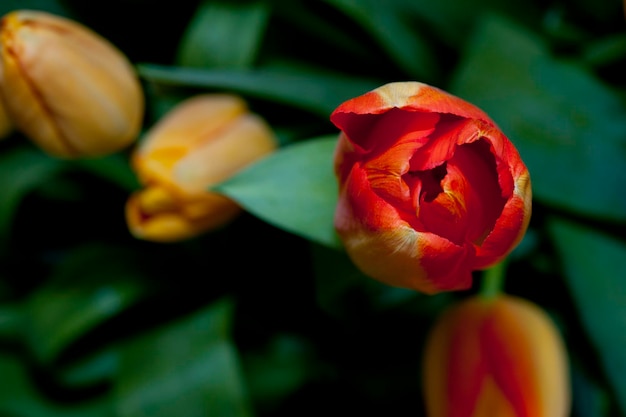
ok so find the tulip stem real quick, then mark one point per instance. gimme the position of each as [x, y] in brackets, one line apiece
[493, 280]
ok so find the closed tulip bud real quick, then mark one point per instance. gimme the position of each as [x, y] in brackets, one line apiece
[430, 189]
[67, 88]
[201, 142]
[496, 357]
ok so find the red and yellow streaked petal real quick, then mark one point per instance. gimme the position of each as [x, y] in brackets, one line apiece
[495, 357]
[454, 367]
[384, 246]
[527, 358]
[410, 95]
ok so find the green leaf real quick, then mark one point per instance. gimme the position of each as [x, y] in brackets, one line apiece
[11, 321]
[594, 268]
[300, 15]
[187, 368]
[310, 90]
[397, 34]
[224, 35]
[605, 51]
[21, 171]
[453, 19]
[294, 189]
[91, 285]
[57, 7]
[19, 396]
[570, 129]
[280, 369]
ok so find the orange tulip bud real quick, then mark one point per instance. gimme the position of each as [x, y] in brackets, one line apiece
[496, 357]
[201, 142]
[65, 87]
[430, 188]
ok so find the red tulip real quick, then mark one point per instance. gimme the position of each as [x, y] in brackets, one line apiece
[430, 188]
[496, 357]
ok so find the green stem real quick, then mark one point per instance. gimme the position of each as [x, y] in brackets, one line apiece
[493, 280]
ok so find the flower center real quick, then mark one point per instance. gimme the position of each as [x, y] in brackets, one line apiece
[461, 198]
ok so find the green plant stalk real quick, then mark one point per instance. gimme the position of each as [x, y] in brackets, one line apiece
[493, 280]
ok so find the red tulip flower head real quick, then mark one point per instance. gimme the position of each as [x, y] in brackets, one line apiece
[430, 189]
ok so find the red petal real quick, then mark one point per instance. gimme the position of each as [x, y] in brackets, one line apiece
[408, 95]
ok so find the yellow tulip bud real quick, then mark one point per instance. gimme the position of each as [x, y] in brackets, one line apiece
[201, 142]
[67, 88]
[496, 357]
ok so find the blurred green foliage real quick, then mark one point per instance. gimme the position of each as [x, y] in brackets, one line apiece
[267, 317]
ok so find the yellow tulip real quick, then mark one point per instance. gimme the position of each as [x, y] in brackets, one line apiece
[67, 88]
[500, 357]
[201, 142]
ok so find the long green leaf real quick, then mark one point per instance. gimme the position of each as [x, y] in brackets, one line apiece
[294, 189]
[317, 92]
[594, 267]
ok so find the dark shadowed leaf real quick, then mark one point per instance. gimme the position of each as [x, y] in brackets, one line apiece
[398, 35]
[186, 368]
[294, 189]
[569, 128]
[594, 268]
[91, 285]
[21, 171]
[19, 396]
[224, 35]
[280, 369]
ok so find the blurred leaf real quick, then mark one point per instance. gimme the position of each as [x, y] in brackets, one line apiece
[299, 14]
[21, 171]
[114, 168]
[594, 269]
[336, 278]
[569, 128]
[94, 369]
[11, 321]
[91, 285]
[50, 6]
[340, 287]
[605, 51]
[589, 399]
[224, 35]
[314, 91]
[398, 35]
[601, 11]
[279, 369]
[453, 19]
[294, 189]
[187, 368]
[19, 396]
